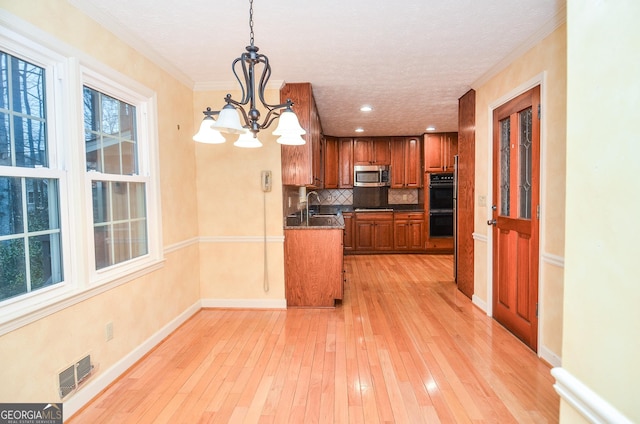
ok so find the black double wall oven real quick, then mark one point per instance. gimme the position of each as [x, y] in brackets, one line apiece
[441, 204]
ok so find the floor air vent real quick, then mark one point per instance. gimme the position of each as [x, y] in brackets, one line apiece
[72, 377]
[67, 381]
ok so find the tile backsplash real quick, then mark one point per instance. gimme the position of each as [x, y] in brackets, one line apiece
[334, 197]
[403, 196]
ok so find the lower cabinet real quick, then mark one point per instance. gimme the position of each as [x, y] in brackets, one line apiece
[349, 243]
[373, 231]
[378, 232]
[408, 234]
[313, 267]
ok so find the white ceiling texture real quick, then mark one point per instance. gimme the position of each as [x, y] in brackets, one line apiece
[411, 60]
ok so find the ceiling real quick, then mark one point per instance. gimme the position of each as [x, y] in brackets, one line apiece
[411, 60]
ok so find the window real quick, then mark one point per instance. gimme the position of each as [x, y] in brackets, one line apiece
[30, 242]
[79, 198]
[119, 212]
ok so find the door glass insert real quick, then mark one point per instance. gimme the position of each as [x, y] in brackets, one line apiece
[525, 161]
[505, 166]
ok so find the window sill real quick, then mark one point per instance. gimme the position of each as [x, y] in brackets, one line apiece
[13, 321]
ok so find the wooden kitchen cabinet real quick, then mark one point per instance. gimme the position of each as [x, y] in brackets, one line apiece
[373, 231]
[409, 233]
[313, 261]
[331, 162]
[345, 163]
[406, 162]
[439, 150]
[348, 241]
[302, 165]
[372, 151]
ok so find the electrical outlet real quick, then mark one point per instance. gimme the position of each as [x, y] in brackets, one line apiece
[108, 331]
[482, 200]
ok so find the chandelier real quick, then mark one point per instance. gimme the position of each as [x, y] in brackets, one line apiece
[289, 130]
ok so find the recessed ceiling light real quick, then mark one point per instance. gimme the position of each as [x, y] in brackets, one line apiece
[359, 130]
[366, 108]
[431, 128]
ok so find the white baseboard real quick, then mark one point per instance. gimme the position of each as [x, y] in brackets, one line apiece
[584, 400]
[549, 356]
[245, 303]
[92, 388]
[479, 303]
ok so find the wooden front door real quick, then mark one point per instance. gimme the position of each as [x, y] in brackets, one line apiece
[516, 188]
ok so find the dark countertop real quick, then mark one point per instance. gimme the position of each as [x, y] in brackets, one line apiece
[327, 217]
[323, 220]
[350, 208]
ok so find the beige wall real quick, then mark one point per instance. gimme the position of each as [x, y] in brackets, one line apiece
[547, 58]
[601, 346]
[232, 208]
[34, 354]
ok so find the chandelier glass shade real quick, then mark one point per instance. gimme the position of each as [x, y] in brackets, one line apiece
[248, 140]
[252, 70]
[207, 134]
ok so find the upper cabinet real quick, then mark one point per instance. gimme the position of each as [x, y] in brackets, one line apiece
[406, 162]
[302, 165]
[331, 162]
[345, 171]
[439, 150]
[371, 151]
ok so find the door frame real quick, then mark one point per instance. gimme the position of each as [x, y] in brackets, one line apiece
[539, 79]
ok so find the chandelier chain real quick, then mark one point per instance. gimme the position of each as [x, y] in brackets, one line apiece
[251, 22]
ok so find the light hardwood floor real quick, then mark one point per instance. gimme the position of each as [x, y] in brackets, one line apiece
[405, 346]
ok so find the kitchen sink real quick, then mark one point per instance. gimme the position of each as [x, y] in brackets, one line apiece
[318, 220]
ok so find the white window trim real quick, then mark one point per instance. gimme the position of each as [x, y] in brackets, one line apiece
[67, 69]
[112, 84]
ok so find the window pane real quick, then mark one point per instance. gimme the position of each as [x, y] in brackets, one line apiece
[110, 115]
[93, 152]
[129, 165]
[13, 272]
[91, 100]
[4, 80]
[525, 162]
[102, 247]
[505, 166]
[23, 140]
[111, 152]
[110, 134]
[138, 238]
[128, 122]
[27, 88]
[11, 212]
[121, 232]
[137, 198]
[42, 205]
[45, 260]
[120, 200]
[121, 242]
[30, 142]
[5, 141]
[101, 206]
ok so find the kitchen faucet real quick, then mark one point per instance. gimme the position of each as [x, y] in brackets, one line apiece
[317, 197]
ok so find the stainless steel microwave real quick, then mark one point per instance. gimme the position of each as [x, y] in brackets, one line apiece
[371, 176]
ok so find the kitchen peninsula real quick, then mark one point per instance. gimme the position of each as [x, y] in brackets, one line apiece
[313, 256]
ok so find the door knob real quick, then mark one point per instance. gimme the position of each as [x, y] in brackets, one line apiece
[492, 222]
